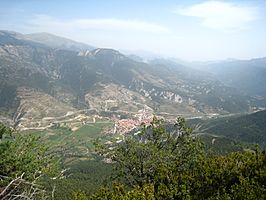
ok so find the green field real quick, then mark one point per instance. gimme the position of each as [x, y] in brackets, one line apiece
[77, 143]
[75, 150]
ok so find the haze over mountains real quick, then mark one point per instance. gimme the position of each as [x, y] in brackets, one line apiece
[246, 75]
[44, 77]
[72, 94]
[133, 99]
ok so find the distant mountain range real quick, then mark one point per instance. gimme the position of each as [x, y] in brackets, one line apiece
[43, 77]
[46, 39]
[248, 76]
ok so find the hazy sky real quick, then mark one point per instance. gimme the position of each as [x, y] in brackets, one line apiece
[191, 30]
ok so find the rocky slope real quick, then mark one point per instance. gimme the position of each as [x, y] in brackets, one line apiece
[39, 83]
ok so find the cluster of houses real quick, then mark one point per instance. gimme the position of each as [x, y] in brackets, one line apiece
[124, 126]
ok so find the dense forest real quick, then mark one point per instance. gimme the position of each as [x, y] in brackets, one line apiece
[154, 163]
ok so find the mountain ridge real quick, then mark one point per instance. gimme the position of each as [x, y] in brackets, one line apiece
[57, 42]
[99, 79]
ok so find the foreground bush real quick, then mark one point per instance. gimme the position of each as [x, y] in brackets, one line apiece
[161, 163]
[24, 164]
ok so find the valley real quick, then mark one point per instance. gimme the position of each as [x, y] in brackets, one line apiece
[50, 85]
[49, 82]
[73, 95]
[133, 100]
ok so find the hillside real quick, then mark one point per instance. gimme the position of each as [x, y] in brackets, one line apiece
[248, 76]
[249, 128]
[102, 81]
[57, 42]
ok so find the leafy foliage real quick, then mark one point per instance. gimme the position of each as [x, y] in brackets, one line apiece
[23, 165]
[4, 131]
[239, 175]
[160, 164]
[83, 177]
[149, 156]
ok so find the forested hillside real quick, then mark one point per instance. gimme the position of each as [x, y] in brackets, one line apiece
[249, 128]
[153, 163]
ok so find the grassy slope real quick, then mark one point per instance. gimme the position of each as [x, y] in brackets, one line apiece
[249, 128]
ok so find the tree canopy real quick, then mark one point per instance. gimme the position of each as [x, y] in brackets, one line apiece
[23, 165]
[162, 162]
